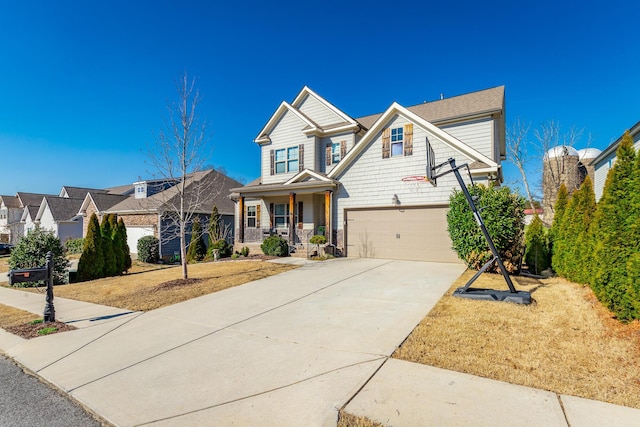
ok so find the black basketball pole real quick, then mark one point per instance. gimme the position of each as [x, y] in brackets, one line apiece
[513, 295]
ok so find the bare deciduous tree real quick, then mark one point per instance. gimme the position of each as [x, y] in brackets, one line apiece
[179, 153]
[518, 152]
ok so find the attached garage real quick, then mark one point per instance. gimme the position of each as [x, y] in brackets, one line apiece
[416, 233]
[136, 233]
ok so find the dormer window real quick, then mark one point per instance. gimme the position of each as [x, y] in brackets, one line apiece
[141, 190]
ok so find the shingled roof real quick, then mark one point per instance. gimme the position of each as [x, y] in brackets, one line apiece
[62, 208]
[10, 201]
[32, 199]
[219, 182]
[470, 104]
[79, 192]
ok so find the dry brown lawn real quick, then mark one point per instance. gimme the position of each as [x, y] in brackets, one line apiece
[564, 342]
[4, 264]
[153, 289]
[23, 323]
[346, 419]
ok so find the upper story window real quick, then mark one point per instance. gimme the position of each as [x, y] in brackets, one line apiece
[397, 142]
[335, 152]
[286, 160]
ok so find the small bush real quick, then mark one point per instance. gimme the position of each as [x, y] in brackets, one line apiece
[275, 246]
[244, 251]
[197, 247]
[74, 246]
[31, 252]
[235, 256]
[149, 249]
[224, 249]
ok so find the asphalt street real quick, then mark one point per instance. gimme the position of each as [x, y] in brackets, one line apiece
[26, 401]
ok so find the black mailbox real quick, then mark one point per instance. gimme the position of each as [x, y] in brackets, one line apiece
[42, 274]
[28, 275]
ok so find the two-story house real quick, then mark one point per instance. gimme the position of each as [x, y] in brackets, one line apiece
[324, 172]
[10, 215]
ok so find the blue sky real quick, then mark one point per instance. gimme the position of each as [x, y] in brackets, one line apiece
[84, 85]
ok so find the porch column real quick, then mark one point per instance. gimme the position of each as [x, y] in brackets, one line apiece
[328, 231]
[292, 229]
[241, 219]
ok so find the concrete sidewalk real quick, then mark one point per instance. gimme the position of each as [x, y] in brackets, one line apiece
[287, 350]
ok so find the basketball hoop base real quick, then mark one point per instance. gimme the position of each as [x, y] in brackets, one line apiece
[518, 297]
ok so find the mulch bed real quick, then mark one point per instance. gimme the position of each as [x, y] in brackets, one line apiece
[176, 283]
[29, 330]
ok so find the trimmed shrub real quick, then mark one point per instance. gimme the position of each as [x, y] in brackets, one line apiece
[244, 251]
[110, 261]
[503, 215]
[197, 247]
[74, 246]
[118, 244]
[562, 201]
[122, 231]
[224, 249]
[536, 254]
[318, 240]
[149, 249]
[91, 264]
[31, 252]
[275, 246]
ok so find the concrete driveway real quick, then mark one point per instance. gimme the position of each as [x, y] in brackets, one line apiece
[286, 350]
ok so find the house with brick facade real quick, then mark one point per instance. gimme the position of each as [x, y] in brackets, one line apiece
[353, 178]
[145, 206]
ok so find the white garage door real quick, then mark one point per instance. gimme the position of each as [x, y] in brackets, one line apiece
[418, 234]
[134, 234]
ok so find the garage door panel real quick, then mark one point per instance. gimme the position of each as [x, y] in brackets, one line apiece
[418, 234]
[136, 233]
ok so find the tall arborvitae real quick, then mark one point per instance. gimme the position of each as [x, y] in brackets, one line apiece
[122, 231]
[536, 254]
[110, 266]
[633, 264]
[118, 244]
[578, 243]
[612, 222]
[555, 234]
[197, 246]
[91, 261]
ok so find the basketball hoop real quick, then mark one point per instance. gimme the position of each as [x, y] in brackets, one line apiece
[414, 178]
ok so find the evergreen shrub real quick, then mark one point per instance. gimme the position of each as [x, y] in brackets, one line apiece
[503, 215]
[74, 246]
[275, 246]
[31, 252]
[536, 255]
[149, 249]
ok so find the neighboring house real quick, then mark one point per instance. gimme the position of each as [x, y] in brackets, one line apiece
[28, 219]
[529, 214]
[324, 172]
[60, 216]
[604, 162]
[30, 204]
[145, 205]
[10, 215]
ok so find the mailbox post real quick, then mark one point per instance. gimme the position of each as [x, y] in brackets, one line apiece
[37, 275]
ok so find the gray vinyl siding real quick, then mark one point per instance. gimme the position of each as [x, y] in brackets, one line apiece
[477, 134]
[318, 112]
[603, 166]
[372, 181]
[322, 151]
[287, 133]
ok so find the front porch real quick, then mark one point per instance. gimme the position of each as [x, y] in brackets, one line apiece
[294, 211]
